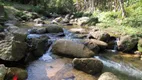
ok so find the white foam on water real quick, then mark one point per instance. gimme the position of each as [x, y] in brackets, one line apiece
[33, 36]
[122, 67]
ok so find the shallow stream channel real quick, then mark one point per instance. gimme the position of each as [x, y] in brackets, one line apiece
[53, 67]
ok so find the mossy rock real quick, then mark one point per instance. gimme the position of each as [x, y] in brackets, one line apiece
[127, 43]
[13, 71]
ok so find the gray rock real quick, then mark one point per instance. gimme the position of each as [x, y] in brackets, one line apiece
[38, 45]
[127, 43]
[72, 49]
[88, 65]
[3, 71]
[108, 76]
[102, 45]
[13, 48]
[100, 35]
[53, 28]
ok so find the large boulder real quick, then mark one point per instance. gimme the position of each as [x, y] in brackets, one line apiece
[3, 71]
[100, 35]
[127, 43]
[108, 76]
[11, 49]
[71, 49]
[140, 45]
[38, 45]
[88, 65]
[12, 72]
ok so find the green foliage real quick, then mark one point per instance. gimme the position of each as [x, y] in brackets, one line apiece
[81, 14]
[65, 6]
[140, 45]
[106, 16]
[92, 21]
[133, 21]
[50, 6]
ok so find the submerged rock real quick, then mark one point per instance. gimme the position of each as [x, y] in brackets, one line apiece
[127, 43]
[88, 65]
[108, 76]
[21, 74]
[3, 71]
[71, 49]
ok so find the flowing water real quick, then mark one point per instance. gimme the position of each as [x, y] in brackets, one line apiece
[53, 67]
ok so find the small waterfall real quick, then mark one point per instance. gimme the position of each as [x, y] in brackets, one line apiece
[53, 37]
[68, 34]
[115, 46]
[124, 68]
[47, 56]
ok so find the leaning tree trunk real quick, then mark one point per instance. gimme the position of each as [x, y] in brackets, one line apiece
[122, 8]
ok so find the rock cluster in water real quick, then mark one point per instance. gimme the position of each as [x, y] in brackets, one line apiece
[18, 45]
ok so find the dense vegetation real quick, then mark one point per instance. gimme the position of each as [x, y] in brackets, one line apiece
[121, 15]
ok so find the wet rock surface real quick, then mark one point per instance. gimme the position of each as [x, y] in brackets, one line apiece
[71, 49]
[88, 65]
[100, 35]
[58, 69]
[127, 43]
[38, 45]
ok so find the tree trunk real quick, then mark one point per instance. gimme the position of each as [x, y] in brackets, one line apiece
[122, 8]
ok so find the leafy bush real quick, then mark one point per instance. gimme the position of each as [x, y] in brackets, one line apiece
[133, 21]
